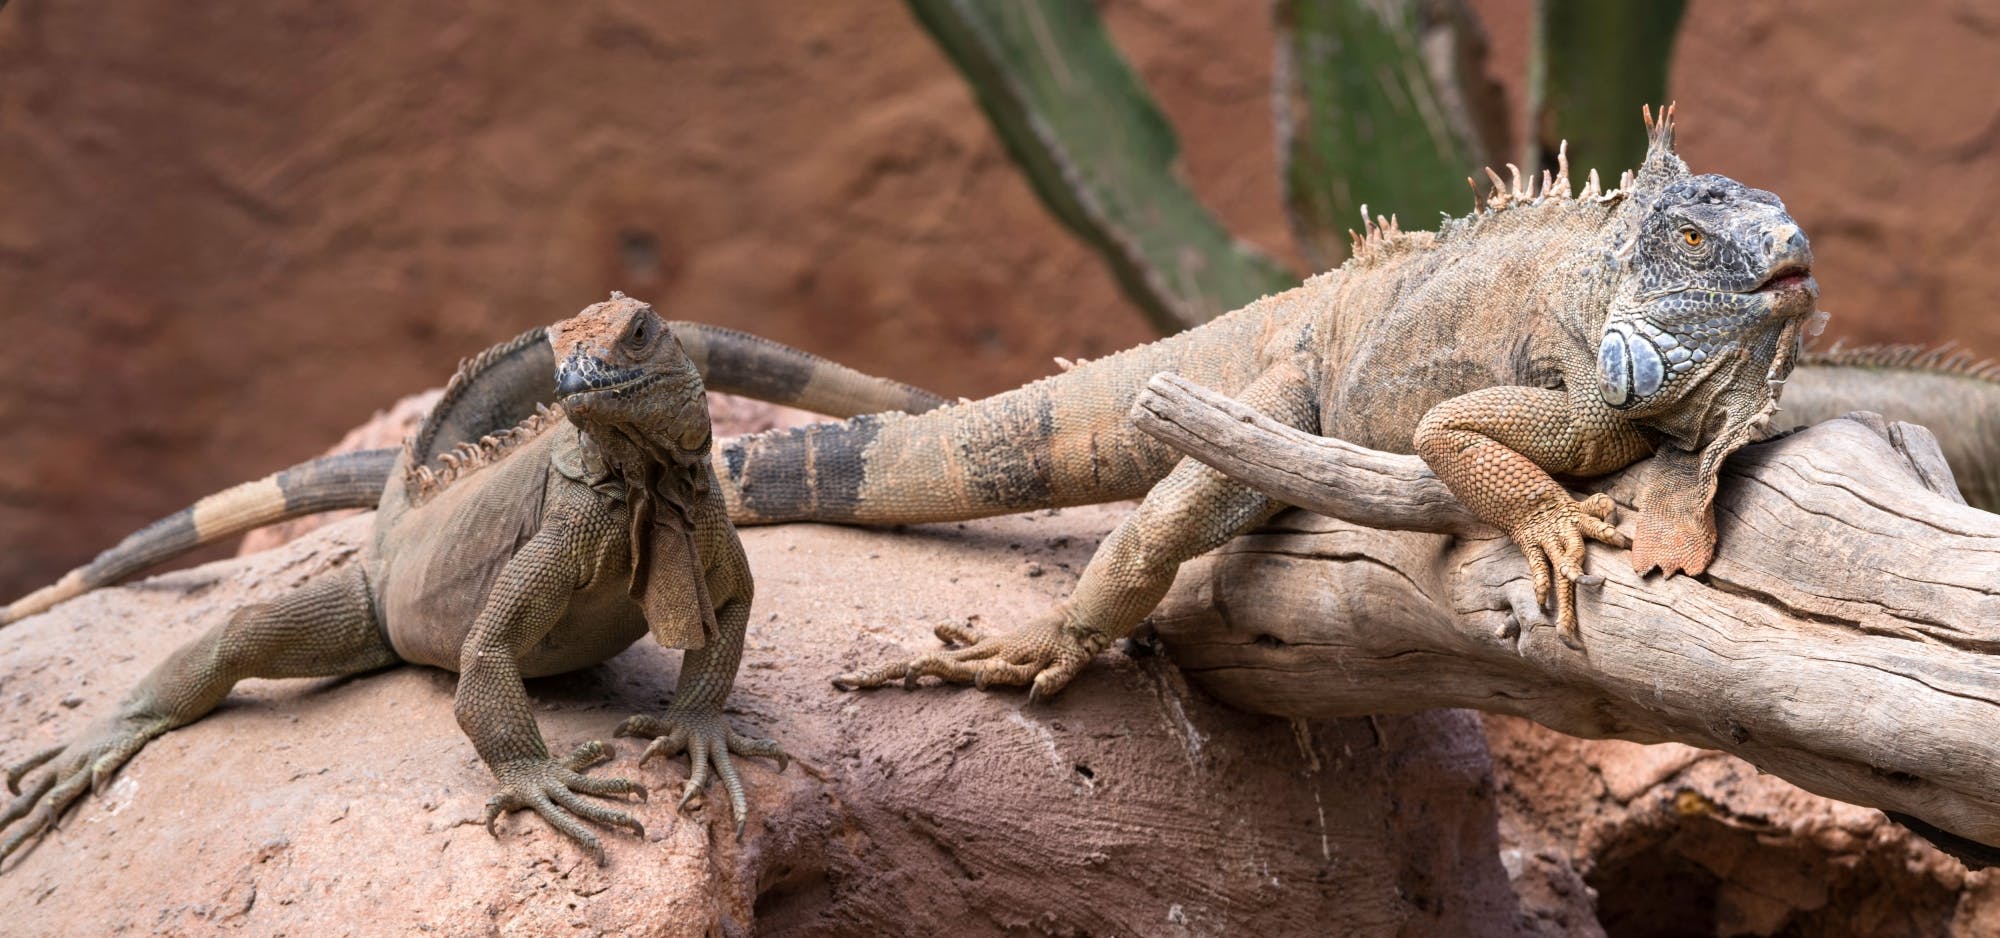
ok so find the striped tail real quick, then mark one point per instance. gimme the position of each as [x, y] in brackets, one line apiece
[1064, 440]
[752, 366]
[345, 480]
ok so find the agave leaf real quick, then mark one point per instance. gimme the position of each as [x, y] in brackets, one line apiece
[1100, 153]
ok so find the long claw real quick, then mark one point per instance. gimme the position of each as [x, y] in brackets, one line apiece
[1552, 540]
[1041, 654]
[698, 764]
[667, 746]
[23, 767]
[710, 743]
[553, 788]
[573, 803]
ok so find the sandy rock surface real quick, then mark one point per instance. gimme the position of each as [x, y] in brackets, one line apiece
[1130, 805]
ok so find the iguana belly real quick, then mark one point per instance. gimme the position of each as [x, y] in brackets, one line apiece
[436, 563]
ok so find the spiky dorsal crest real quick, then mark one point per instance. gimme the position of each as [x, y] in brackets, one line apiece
[1380, 238]
[479, 399]
[1943, 359]
[1662, 165]
[423, 482]
[424, 441]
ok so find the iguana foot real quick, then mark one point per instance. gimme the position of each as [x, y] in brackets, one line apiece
[1043, 654]
[551, 787]
[708, 740]
[1672, 542]
[86, 763]
[1552, 539]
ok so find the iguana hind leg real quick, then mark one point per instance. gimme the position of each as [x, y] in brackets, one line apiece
[323, 629]
[1191, 511]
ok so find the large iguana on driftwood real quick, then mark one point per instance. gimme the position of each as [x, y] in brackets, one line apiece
[1548, 334]
[505, 547]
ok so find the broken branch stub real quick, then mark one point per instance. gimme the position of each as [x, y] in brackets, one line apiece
[1844, 639]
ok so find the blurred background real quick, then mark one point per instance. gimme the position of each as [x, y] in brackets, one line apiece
[230, 232]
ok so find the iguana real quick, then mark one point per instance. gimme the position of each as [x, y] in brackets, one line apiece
[513, 380]
[506, 547]
[1549, 334]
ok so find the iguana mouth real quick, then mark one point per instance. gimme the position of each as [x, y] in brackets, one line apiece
[632, 381]
[1787, 278]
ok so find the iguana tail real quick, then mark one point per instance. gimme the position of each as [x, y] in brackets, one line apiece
[1954, 394]
[730, 361]
[346, 480]
[1063, 440]
[752, 366]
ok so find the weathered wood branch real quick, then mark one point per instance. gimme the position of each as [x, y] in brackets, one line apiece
[1845, 638]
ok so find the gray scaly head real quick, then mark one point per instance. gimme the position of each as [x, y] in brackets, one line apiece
[624, 380]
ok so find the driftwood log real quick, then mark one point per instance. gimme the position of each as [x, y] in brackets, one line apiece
[1844, 639]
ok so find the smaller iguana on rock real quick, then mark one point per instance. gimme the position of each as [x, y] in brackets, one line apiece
[513, 382]
[502, 553]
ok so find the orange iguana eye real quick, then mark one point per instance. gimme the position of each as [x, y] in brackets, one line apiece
[1691, 236]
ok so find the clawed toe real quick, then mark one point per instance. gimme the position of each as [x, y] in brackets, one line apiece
[708, 740]
[554, 789]
[1041, 655]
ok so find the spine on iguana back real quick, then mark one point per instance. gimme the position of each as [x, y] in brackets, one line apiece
[1063, 440]
[346, 480]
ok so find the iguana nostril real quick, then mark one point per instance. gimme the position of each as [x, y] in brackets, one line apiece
[1787, 243]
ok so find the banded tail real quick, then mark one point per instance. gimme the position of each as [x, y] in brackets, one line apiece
[752, 366]
[730, 361]
[346, 480]
[1064, 440]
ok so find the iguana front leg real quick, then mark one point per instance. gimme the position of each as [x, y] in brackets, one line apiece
[1495, 449]
[526, 602]
[694, 721]
[1191, 511]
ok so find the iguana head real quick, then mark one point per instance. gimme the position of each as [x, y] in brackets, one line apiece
[626, 382]
[1713, 280]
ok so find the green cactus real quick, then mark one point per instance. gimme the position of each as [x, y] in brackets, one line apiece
[1366, 117]
[1591, 67]
[1100, 153]
[1382, 102]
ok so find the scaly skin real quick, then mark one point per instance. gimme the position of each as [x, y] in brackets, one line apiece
[1547, 335]
[546, 547]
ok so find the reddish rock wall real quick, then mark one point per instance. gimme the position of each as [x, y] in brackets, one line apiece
[230, 233]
